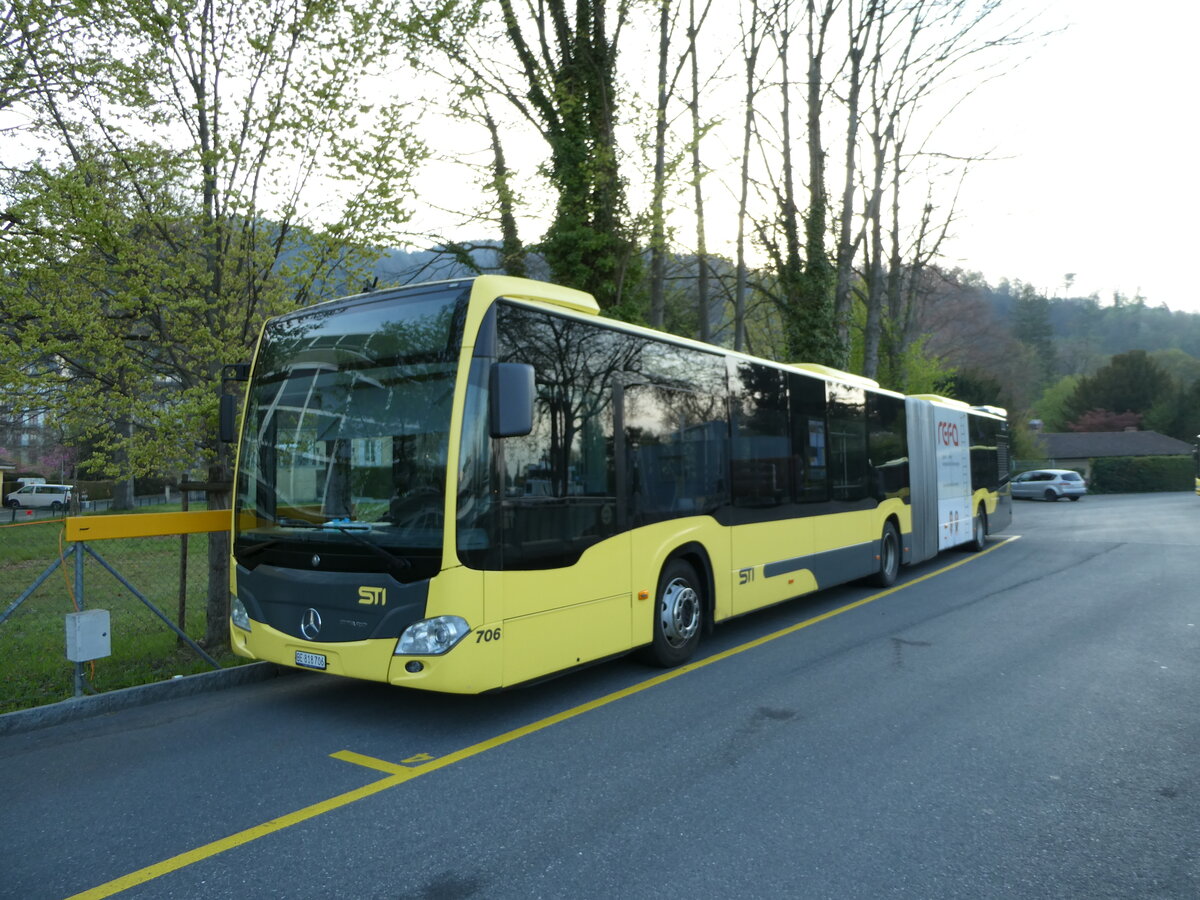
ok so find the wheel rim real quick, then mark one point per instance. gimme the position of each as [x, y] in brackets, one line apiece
[980, 530]
[679, 612]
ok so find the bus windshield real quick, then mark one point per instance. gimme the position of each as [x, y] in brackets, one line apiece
[344, 446]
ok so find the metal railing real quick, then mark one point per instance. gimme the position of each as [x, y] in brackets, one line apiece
[144, 562]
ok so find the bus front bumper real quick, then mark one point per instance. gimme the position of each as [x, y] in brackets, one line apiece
[472, 666]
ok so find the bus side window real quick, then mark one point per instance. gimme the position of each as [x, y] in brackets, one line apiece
[761, 457]
[887, 443]
[810, 461]
[848, 442]
[676, 441]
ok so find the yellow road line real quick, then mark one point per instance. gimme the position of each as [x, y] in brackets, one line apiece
[371, 762]
[399, 774]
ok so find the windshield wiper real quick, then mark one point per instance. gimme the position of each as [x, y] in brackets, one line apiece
[254, 550]
[351, 530]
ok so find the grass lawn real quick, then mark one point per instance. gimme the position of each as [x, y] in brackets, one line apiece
[34, 669]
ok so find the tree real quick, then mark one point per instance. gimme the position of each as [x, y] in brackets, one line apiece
[800, 280]
[1177, 413]
[1051, 406]
[568, 61]
[138, 266]
[918, 49]
[1131, 382]
[1031, 326]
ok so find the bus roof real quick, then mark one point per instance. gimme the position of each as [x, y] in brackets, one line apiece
[582, 303]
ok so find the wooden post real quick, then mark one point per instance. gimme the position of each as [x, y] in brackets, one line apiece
[183, 548]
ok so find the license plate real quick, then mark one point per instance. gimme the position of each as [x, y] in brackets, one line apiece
[310, 660]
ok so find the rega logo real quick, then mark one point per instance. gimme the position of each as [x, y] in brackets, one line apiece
[372, 596]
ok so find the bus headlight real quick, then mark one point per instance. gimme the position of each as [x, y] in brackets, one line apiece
[432, 637]
[238, 614]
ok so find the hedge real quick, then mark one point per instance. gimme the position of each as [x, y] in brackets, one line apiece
[1141, 474]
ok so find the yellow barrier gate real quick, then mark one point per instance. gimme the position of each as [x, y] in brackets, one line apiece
[80, 530]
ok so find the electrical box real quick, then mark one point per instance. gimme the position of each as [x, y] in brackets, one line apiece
[88, 635]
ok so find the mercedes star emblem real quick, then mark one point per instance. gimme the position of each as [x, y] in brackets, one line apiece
[310, 624]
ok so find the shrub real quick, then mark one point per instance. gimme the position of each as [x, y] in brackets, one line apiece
[1141, 474]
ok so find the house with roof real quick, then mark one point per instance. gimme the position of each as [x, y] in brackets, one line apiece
[1076, 449]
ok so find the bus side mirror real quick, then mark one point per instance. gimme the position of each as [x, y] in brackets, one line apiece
[226, 430]
[511, 392]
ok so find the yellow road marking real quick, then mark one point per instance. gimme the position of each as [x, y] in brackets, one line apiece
[399, 774]
[371, 762]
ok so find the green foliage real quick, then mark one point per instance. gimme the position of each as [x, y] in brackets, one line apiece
[921, 372]
[136, 267]
[972, 386]
[1024, 443]
[1181, 366]
[1131, 382]
[1141, 474]
[914, 370]
[1177, 413]
[1052, 405]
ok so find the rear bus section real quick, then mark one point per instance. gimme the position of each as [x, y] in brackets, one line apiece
[960, 474]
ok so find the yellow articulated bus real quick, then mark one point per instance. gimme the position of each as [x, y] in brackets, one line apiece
[469, 485]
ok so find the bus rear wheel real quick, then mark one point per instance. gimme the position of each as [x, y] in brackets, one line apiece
[678, 614]
[889, 557]
[978, 532]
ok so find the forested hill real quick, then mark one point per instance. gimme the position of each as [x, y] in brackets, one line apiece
[1083, 331]
[1106, 329]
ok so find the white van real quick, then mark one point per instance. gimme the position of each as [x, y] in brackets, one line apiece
[40, 496]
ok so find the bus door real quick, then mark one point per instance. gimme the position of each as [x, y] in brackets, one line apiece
[774, 450]
[559, 574]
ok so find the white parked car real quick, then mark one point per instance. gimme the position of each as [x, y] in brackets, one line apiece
[1049, 484]
[40, 496]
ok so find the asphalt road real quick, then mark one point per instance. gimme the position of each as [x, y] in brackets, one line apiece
[1023, 724]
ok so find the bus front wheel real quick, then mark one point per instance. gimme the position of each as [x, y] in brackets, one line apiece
[889, 557]
[678, 614]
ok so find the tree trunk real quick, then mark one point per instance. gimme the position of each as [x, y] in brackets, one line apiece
[750, 58]
[846, 242]
[702, 300]
[216, 632]
[658, 238]
[512, 251]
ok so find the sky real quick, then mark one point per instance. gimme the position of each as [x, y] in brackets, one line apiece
[1092, 137]
[1095, 139]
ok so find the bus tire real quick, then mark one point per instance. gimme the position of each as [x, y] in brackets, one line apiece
[678, 615]
[889, 557]
[978, 532]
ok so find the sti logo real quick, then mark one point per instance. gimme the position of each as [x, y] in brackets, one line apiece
[948, 434]
[372, 596]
